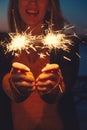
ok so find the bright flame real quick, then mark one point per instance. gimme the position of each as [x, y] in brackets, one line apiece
[55, 39]
[19, 42]
[51, 40]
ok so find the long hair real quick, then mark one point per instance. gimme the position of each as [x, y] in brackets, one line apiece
[13, 15]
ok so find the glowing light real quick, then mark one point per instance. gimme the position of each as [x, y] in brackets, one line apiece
[51, 40]
[78, 55]
[19, 42]
[66, 58]
[56, 39]
[42, 55]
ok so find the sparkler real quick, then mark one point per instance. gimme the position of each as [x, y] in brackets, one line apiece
[51, 39]
[56, 39]
[19, 42]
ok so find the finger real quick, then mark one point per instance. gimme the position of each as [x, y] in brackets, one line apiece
[20, 66]
[25, 90]
[20, 77]
[46, 76]
[25, 87]
[46, 83]
[24, 84]
[50, 67]
[20, 92]
[45, 86]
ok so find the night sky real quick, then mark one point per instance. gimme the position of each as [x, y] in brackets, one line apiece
[73, 10]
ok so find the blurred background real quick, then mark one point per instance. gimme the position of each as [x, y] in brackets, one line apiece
[75, 12]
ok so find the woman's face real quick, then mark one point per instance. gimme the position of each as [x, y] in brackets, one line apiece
[32, 12]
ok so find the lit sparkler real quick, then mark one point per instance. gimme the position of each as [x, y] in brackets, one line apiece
[51, 40]
[56, 40]
[19, 42]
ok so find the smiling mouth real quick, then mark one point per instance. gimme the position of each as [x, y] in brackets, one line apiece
[32, 12]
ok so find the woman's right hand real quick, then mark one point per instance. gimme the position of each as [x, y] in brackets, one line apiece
[21, 81]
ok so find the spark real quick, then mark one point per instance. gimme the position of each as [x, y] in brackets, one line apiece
[66, 58]
[51, 40]
[42, 55]
[78, 55]
[56, 39]
[19, 42]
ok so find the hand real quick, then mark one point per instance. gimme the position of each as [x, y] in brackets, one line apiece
[22, 81]
[49, 79]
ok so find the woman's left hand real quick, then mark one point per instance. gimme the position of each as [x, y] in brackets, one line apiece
[49, 79]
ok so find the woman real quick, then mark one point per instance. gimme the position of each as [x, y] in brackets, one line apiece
[37, 88]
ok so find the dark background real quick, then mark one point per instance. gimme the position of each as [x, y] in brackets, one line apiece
[75, 12]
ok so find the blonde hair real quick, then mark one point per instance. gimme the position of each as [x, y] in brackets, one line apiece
[13, 13]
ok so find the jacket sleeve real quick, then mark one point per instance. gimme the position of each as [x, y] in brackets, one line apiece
[68, 62]
[5, 106]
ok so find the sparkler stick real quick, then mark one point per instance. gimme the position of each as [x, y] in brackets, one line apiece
[55, 39]
[14, 21]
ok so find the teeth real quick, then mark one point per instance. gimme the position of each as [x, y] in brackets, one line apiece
[31, 11]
